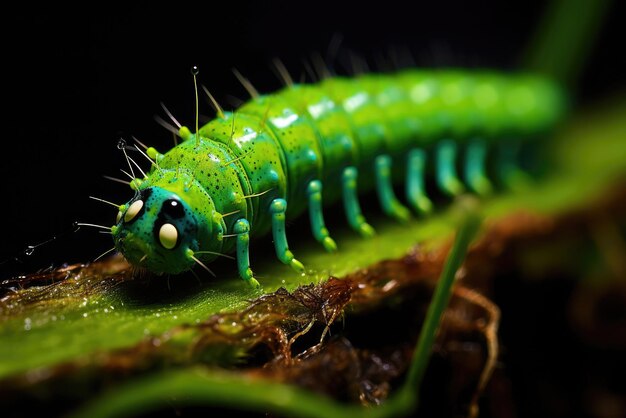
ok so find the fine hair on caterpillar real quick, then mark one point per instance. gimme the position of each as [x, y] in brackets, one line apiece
[247, 172]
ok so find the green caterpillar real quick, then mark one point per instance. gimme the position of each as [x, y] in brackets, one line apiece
[242, 174]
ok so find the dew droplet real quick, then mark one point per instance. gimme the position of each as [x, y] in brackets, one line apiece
[195, 70]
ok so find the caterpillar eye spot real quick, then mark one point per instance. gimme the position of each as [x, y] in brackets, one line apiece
[168, 236]
[173, 208]
[133, 210]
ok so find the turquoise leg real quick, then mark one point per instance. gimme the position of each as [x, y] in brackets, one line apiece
[415, 190]
[447, 179]
[511, 175]
[242, 229]
[278, 209]
[475, 167]
[390, 204]
[351, 203]
[317, 217]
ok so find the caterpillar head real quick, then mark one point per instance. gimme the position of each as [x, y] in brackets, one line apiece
[161, 228]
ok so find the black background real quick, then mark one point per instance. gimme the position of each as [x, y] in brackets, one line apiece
[77, 78]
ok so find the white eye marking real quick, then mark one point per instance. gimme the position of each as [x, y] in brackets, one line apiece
[168, 235]
[133, 210]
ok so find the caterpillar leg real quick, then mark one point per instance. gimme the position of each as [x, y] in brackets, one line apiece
[511, 175]
[390, 204]
[447, 178]
[415, 191]
[278, 209]
[314, 191]
[242, 229]
[351, 203]
[475, 167]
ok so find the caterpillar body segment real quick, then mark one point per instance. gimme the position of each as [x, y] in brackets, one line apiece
[246, 172]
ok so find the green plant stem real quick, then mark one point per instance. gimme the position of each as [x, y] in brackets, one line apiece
[564, 38]
[469, 226]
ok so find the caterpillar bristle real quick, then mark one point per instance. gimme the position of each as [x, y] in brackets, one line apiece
[234, 101]
[334, 46]
[103, 254]
[137, 165]
[282, 73]
[215, 253]
[322, 70]
[227, 163]
[144, 146]
[169, 114]
[115, 179]
[194, 72]
[256, 194]
[252, 91]
[358, 64]
[216, 106]
[230, 213]
[309, 70]
[93, 225]
[166, 125]
[104, 201]
[232, 127]
[201, 264]
[155, 162]
[127, 174]
[121, 144]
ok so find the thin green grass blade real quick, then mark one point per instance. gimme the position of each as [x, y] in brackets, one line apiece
[564, 39]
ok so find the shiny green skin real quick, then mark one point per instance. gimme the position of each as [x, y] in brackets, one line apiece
[275, 145]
